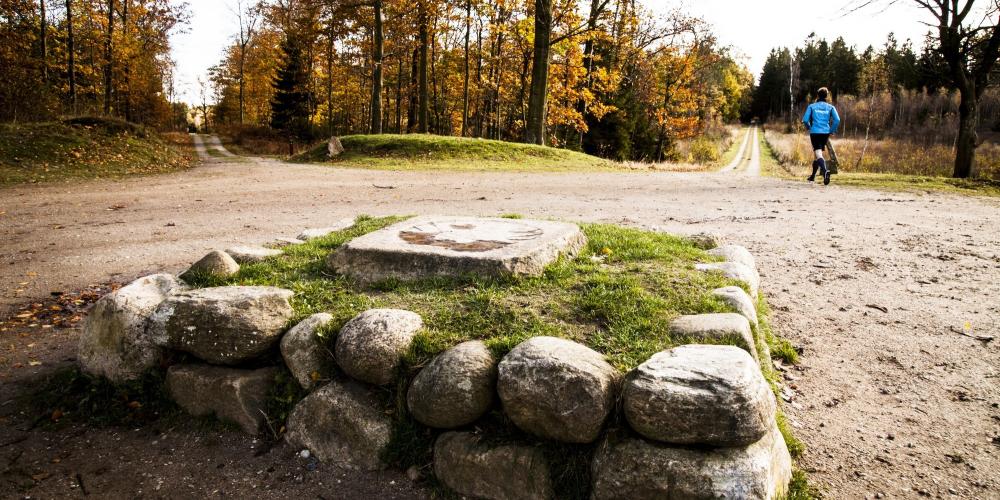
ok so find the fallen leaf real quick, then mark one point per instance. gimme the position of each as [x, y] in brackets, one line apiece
[34, 363]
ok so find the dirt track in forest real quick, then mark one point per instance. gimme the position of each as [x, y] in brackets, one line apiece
[877, 289]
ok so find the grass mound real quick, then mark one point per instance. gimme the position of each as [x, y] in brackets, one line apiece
[423, 152]
[82, 148]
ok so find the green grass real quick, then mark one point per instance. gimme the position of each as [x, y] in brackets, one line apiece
[434, 152]
[82, 148]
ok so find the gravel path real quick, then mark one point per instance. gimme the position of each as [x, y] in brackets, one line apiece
[877, 289]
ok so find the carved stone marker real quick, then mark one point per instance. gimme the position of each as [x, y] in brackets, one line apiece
[456, 246]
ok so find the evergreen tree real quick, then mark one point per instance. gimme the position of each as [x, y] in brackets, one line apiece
[770, 98]
[290, 105]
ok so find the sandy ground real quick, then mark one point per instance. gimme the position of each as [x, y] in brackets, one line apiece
[877, 289]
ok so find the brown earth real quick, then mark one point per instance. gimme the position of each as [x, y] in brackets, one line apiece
[883, 293]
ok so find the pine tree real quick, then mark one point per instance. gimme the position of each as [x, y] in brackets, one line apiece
[290, 105]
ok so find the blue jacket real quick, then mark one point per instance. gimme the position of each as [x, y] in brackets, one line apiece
[821, 118]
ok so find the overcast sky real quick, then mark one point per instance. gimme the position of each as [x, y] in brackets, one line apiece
[753, 28]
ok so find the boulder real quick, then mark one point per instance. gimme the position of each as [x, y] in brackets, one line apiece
[216, 263]
[635, 469]
[334, 147]
[736, 298]
[456, 388]
[705, 241]
[232, 395]
[735, 253]
[371, 346]
[736, 271]
[223, 325]
[716, 327]
[341, 423]
[251, 254]
[700, 394]
[311, 234]
[557, 389]
[114, 343]
[305, 354]
[496, 472]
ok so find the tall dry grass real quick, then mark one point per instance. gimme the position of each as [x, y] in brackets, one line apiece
[884, 156]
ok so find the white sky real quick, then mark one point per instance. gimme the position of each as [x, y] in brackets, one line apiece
[752, 27]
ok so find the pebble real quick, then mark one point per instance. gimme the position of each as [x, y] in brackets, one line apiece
[304, 454]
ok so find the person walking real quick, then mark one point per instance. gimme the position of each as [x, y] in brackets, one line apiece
[822, 120]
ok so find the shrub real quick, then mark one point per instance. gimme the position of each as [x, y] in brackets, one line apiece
[704, 151]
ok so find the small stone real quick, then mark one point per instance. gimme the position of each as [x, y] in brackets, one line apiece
[252, 254]
[738, 299]
[341, 423]
[717, 327]
[736, 271]
[371, 346]
[304, 454]
[557, 389]
[635, 469]
[334, 147]
[466, 465]
[705, 241]
[455, 388]
[216, 263]
[311, 234]
[222, 325]
[304, 352]
[232, 395]
[735, 253]
[114, 343]
[413, 473]
[700, 394]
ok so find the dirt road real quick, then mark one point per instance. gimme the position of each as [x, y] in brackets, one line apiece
[876, 288]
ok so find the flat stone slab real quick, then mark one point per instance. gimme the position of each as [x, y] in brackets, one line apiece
[456, 246]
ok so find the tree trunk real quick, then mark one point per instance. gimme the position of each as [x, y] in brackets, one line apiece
[479, 75]
[411, 108]
[329, 81]
[399, 96]
[376, 113]
[422, 77]
[465, 82]
[44, 28]
[588, 60]
[535, 128]
[108, 62]
[127, 70]
[965, 147]
[70, 50]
